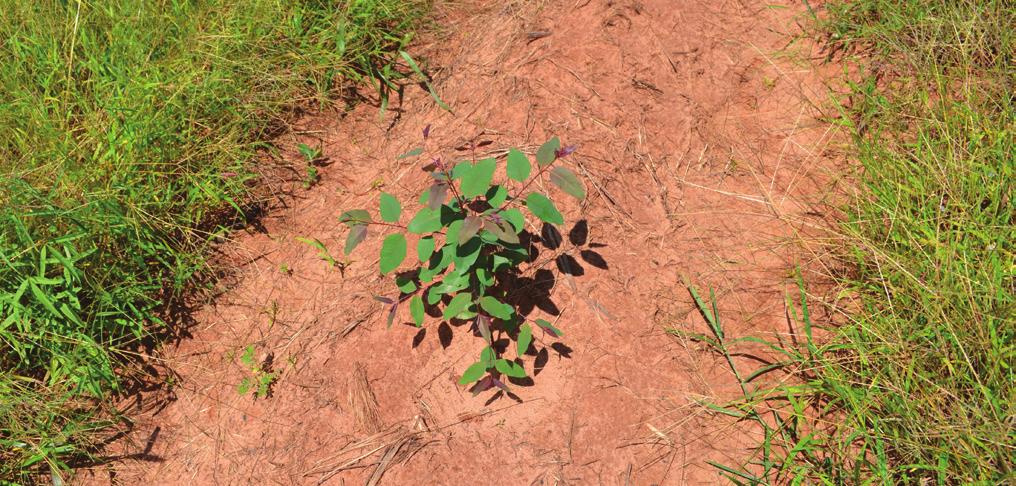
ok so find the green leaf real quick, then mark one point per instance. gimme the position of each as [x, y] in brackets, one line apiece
[354, 217]
[309, 153]
[547, 152]
[406, 285]
[393, 251]
[487, 356]
[542, 208]
[425, 248]
[356, 235]
[247, 357]
[458, 304]
[452, 232]
[510, 368]
[434, 295]
[453, 282]
[547, 326]
[473, 373]
[566, 180]
[470, 226]
[484, 277]
[439, 261]
[412, 153]
[460, 169]
[500, 262]
[390, 208]
[466, 255]
[244, 386]
[425, 221]
[416, 310]
[518, 165]
[496, 195]
[476, 180]
[525, 339]
[515, 217]
[496, 308]
[488, 237]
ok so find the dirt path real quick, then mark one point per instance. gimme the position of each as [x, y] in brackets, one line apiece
[698, 139]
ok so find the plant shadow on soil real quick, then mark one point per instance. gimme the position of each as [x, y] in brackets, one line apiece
[529, 292]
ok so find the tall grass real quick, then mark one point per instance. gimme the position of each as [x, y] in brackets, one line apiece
[918, 388]
[128, 130]
[934, 238]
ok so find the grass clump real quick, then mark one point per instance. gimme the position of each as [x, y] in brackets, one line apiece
[128, 134]
[918, 387]
[928, 371]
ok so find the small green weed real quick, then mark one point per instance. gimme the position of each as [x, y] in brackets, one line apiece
[312, 177]
[311, 154]
[322, 251]
[469, 249]
[791, 450]
[261, 377]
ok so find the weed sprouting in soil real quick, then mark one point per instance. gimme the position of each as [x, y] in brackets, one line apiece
[792, 448]
[260, 377]
[469, 251]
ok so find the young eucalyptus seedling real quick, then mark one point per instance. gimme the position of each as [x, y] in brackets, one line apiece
[468, 251]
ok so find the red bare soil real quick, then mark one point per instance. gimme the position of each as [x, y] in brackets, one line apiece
[698, 141]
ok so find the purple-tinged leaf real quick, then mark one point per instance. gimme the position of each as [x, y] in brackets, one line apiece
[356, 235]
[426, 131]
[438, 193]
[565, 151]
[568, 182]
[434, 165]
[483, 325]
[505, 235]
[391, 313]
[383, 300]
[483, 385]
[470, 227]
[500, 384]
